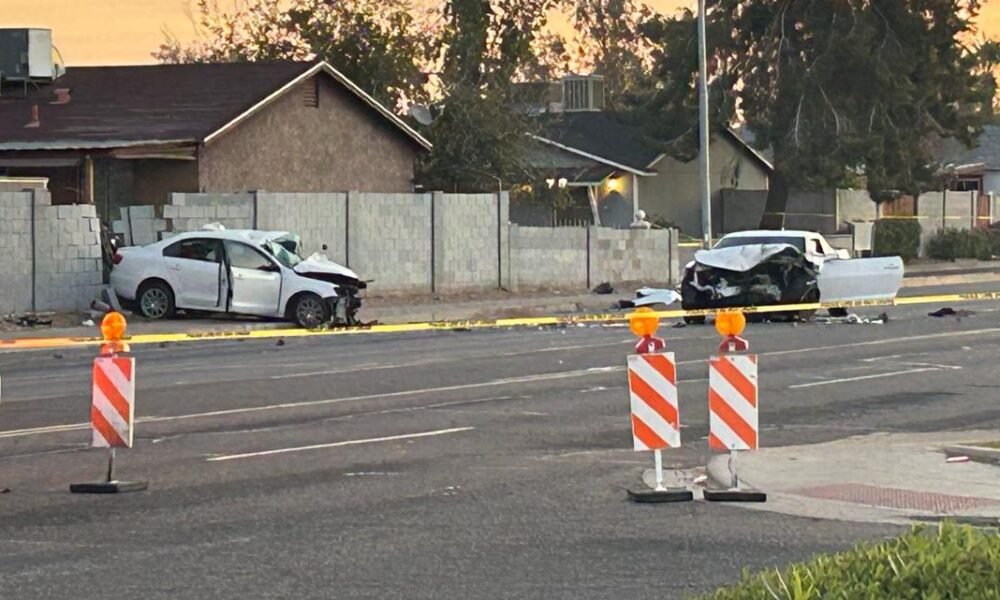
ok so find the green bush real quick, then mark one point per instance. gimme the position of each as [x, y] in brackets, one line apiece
[897, 237]
[950, 562]
[949, 244]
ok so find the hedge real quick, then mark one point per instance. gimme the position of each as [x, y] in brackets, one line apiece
[947, 562]
[897, 237]
[949, 244]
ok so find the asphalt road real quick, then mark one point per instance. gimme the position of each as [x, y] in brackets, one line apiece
[488, 464]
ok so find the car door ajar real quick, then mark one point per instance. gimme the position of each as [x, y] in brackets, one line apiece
[194, 271]
[255, 281]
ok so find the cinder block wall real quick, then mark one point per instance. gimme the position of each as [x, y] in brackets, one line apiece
[470, 232]
[390, 241]
[548, 257]
[318, 218]
[52, 254]
[632, 255]
[16, 245]
[421, 243]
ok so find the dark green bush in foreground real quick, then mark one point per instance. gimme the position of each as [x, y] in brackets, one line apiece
[949, 562]
[897, 237]
[949, 244]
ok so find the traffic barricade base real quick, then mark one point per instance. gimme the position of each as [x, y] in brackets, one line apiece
[109, 487]
[648, 496]
[738, 495]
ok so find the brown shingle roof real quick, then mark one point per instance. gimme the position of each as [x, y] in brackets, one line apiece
[122, 106]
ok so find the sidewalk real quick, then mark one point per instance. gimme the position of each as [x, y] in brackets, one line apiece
[892, 478]
[388, 310]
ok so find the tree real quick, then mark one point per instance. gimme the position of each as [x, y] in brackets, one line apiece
[834, 88]
[609, 41]
[479, 140]
[378, 45]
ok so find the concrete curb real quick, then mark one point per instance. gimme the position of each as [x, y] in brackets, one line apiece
[975, 453]
[718, 472]
[945, 279]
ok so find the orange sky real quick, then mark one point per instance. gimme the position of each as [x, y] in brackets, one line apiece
[89, 32]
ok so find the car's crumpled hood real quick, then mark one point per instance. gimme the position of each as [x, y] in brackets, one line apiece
[739, 258]
[319, 263]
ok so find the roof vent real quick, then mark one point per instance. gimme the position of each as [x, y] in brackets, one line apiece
[35, 121]
[583, 93]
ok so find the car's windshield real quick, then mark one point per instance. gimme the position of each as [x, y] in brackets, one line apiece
[284, 255]
[733, 241]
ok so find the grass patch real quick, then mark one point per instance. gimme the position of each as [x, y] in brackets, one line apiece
[946, 562]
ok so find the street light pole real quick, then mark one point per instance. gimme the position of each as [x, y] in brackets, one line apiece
[703, 162]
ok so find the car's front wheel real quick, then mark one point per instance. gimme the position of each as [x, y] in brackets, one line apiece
[155, 300]
[311, 311]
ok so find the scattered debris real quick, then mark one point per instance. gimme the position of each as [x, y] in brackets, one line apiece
[957, 459]
[951, 312]
[57, 356]
[604, 288]
[88, 323]
[679, 325]
[280, 342]
[30, 319]
[853, 319]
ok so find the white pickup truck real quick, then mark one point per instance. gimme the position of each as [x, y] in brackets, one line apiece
[754, 268]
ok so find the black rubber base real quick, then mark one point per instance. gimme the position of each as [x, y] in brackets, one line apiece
[734, 496]
[111, 487]
[647, 496]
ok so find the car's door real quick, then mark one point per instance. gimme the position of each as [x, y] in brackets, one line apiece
[255, 280]
[194, 271]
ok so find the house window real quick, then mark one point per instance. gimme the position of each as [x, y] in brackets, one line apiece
[965, 184]
[310, 93]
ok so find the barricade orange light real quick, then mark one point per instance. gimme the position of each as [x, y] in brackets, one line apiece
[643, 323]
[113, 327]
[730, 324]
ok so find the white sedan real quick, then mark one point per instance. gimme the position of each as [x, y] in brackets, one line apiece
[236, 271]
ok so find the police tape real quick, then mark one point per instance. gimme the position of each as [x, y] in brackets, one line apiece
[459, 325]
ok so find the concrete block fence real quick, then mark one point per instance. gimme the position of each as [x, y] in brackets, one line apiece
[437, 242]
[52, 254]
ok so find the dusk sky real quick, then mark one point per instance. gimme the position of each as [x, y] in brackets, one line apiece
[91, 32]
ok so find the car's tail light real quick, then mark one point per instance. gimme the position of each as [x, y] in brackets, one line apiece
[117, 258]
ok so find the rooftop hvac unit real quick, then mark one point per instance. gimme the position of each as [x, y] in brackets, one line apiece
[26, 55]
[583, 93]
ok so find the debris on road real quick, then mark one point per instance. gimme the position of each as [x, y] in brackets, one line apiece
[951, 312]
[30, 319]
[853, 319]
[604, 289]
[956, 459]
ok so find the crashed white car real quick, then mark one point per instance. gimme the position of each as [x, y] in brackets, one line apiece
[756, 268]
[236, 271]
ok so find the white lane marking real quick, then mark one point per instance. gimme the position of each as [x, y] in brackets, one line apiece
[861, 378]
[309, 403]
[934, 365]
[390, 438]
[435, 361]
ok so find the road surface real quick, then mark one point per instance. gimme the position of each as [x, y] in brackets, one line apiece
[480, 464]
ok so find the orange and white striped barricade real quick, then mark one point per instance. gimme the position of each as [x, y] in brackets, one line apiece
[732, 418]
[112, 418]
[656, 426]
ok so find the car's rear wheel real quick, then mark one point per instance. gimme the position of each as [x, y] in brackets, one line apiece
[155, 300]
[311, 311]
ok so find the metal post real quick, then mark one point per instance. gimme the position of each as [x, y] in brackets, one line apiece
[658, 457]
[703, 162]
[111, 466]
[735, 484]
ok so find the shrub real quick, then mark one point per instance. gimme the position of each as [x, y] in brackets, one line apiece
[950, 561]
[897, 237]
[949, 244]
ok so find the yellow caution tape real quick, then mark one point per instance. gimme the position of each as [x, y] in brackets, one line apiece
[163, 338]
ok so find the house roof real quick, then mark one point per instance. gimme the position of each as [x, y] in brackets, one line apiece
[602, 137]
[952, 153]
[114, 107]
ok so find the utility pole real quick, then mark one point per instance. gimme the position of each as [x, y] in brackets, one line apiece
[703, 163]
